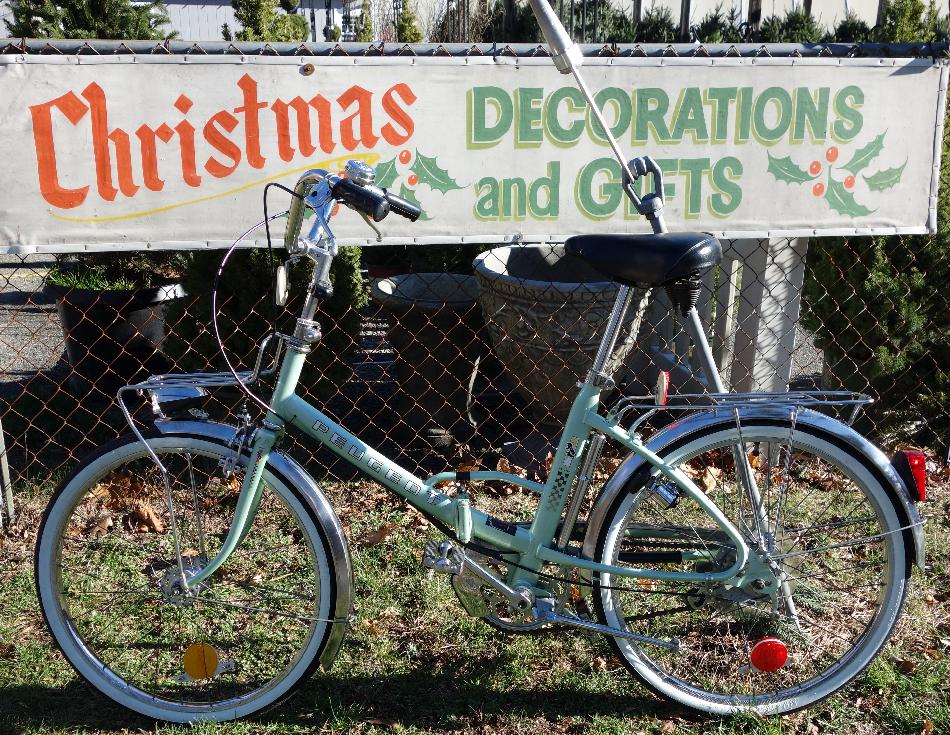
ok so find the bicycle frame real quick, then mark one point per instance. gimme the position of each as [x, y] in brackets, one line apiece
[531, 546]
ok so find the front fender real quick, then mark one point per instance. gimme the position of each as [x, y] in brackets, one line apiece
[634, 469]
[293, 474]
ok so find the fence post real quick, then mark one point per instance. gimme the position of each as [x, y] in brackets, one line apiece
[6, 497]
[773, 275]
[724, 322]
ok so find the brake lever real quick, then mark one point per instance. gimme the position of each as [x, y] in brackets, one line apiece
[367, 220]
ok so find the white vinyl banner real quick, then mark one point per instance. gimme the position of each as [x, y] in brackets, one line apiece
[175, 150]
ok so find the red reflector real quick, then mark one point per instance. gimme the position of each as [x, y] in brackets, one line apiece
[917, 461]
[768, 655]
[662, 387]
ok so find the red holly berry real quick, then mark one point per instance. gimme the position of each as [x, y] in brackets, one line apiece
[404, 157]
[832, 154]
[815, 168]
[849, 182]
[818, 189]
[413, 179]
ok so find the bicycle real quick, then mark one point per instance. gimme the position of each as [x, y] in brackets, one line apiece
[754, 555]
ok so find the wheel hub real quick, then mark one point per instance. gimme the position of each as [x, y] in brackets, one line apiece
[174, 590]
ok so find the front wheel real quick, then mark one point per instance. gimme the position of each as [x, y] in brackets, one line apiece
[109, 581]
[824, 588]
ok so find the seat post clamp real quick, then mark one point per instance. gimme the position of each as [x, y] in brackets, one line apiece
[600, 380]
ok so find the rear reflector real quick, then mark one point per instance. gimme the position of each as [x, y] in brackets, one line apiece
[768, 655]
[911, 465]
[662, 388]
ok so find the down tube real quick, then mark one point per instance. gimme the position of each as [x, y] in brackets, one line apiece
[402, 482]
[326, 431]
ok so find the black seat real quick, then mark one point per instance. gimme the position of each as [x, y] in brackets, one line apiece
[652, 260]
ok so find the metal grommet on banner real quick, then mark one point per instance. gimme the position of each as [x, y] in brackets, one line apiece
[307, 69]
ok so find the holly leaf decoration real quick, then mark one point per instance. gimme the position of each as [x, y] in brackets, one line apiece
[386, 174]
[863, 156]
[429, 172]
[409, 195]
[841, 200]
[785, 169]
[885, 179]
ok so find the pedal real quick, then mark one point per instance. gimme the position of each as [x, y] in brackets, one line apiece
[443, 557]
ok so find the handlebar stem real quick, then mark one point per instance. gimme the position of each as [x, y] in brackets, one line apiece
[302, 189]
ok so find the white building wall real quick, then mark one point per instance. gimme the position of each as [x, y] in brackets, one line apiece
[201, 20]
[5, 14]
[828, 12]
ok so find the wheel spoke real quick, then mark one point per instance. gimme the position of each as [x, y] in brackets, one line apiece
[121, 591]
[826, 606]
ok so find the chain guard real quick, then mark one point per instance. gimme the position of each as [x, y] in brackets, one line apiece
[481, 601]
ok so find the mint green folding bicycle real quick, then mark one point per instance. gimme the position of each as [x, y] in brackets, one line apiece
[754, 555]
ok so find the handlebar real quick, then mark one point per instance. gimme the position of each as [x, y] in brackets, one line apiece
[369, 200]
[403, 207]
[318, 188]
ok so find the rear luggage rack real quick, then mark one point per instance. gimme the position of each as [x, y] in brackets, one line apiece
[648, 405]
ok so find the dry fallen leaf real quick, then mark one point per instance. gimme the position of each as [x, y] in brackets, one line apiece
[143, 512]
[711, 478]
[98, 526]
[378, 536]
[101, 492]
[548, 462]
[374, 627]
[906, 666]
[505, 488]
[668, 726]
[928, 728]
[419, 521]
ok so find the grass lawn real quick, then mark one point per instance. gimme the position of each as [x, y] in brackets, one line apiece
[413, 662]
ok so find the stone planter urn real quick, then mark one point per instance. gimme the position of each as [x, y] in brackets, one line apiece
[545, 313]
[434, 329]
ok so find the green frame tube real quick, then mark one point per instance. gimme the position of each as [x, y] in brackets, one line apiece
[530, 545]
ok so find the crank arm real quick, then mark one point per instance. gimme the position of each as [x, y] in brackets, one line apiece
[544, 612]
[447, 558]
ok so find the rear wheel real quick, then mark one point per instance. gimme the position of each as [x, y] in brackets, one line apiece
[109, 582]
[822, 593]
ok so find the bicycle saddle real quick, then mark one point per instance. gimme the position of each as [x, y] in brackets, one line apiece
[652, 260]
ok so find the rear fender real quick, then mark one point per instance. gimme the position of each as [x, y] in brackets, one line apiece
[290, 471]
[635, 470]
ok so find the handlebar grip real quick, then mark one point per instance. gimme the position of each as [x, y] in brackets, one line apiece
[373, 205]
[403, 207]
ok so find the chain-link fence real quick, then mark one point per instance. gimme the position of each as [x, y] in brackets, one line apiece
[441, 355]
[435, 367]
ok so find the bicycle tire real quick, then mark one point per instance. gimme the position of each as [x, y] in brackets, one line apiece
[840, 629]
[128, 647]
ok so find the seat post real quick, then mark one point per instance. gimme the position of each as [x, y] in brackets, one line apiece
[614, 323]
[698, 333]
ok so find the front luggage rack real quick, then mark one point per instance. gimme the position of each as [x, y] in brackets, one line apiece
[177, 392]
[647, 406]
